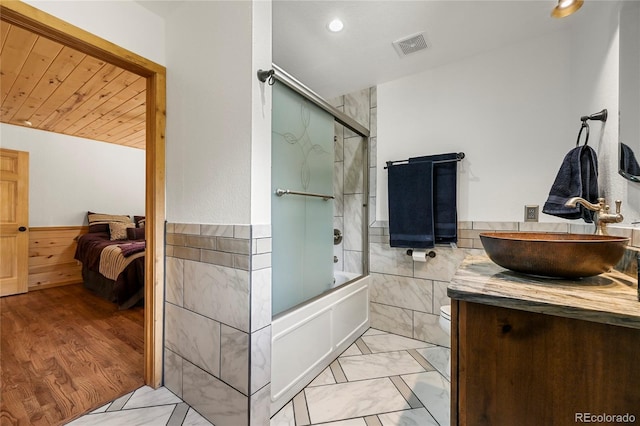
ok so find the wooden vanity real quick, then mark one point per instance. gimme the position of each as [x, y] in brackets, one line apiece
[535, 351]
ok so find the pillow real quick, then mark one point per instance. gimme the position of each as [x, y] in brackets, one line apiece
[99, 222]
[139, 221]
[135, 233]
[118, 230]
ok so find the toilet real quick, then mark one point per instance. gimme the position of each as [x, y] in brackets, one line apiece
[445, 319]
[445, 324]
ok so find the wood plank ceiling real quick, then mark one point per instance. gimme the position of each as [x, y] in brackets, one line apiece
[45, 85]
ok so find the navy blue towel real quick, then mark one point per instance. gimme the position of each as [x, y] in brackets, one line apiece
[410, 205]
[628, 162]
[577, 177]
[423, 201]
[445, 203]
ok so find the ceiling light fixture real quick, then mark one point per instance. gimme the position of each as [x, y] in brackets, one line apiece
[335, 25]
[566, 8]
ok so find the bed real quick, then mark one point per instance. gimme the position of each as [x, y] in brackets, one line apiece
[112, 256]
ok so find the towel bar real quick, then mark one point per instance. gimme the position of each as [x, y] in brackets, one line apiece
[281, 192]
[459, 157]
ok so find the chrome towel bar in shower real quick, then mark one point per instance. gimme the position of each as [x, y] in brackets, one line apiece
[281, 192]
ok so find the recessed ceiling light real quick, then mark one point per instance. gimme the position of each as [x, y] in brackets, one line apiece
[335, 25]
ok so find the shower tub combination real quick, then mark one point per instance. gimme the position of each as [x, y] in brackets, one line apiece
[317, 312]
[306, 340]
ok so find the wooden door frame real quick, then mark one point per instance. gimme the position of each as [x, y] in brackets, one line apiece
[46, 25]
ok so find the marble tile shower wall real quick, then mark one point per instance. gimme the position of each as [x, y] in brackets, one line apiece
[349, 177]
[218, 320]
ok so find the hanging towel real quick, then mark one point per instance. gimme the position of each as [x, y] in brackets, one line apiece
[445, 183]
[411, 205]
[577, 177]
[628, 162]
[422, 201]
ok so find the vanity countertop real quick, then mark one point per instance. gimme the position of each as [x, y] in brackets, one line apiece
[610, 298]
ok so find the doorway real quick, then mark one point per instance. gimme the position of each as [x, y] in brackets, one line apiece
[43, 24]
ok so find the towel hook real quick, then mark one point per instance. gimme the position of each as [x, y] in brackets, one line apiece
[267, 76]
[599, 116]
[582, 127]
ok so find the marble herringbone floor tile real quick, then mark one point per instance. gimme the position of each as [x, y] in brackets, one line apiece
[392, 342]
[324, 378]
[379, 365]
[433, 390]
[352, 350]
[354, 399]
[144, 407]
[415, 417]
[138, 416]
[351, 422]
[373, 332]
[438, 356]
[381, 380]
[409, 365]
[284, 417]
[147, 396]
[193, 418]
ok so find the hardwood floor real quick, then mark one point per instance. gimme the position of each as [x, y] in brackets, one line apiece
[63, 352]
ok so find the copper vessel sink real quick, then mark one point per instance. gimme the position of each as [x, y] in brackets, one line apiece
[554, 254]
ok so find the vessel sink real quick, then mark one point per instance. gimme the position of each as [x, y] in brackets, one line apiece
[554, 254]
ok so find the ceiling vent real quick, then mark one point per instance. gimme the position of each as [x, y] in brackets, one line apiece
[410, 44]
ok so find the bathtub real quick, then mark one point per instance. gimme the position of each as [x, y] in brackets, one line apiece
[307, 339]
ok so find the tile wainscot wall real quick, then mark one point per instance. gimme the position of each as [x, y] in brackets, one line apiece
[406, 296]
[218, 320]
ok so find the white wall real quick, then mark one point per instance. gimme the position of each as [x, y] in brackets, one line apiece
[212, 128]
[261, 118]
[69, 175]
[122, 22]
[506, 110]
[514, 112]
[595, 65]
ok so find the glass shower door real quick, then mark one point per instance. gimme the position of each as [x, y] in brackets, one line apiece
[302, 226]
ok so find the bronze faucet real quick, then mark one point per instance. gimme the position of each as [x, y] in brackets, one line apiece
[602, 212]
